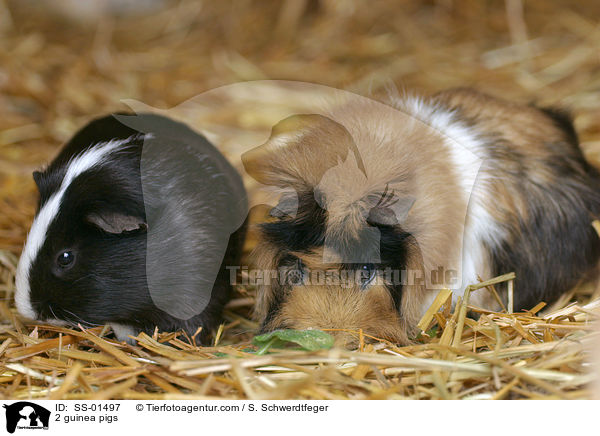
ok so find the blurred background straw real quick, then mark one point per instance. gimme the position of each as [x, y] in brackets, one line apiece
[64, 62]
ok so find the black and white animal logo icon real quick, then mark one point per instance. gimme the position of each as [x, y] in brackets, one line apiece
[26, 415]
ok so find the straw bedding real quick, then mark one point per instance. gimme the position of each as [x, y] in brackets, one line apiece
[56, 73]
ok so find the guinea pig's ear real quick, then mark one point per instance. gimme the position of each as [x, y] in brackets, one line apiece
[117, 223]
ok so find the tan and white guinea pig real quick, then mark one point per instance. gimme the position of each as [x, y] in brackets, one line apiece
[384, 204]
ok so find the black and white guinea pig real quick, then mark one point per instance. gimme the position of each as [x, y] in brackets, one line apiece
[138, 219]
[384, 204]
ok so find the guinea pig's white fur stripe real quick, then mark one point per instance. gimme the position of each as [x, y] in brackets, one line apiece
[466, 148]
[468, 153]
[90, 158]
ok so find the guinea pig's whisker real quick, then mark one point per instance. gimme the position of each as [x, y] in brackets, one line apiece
[77, 319]
[52, 311]
[82, 278]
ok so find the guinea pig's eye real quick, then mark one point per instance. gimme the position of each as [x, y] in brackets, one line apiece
[366, 273]
[65, 259]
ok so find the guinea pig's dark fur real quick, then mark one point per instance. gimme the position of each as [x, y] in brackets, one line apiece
[88, 256]
[529, 209]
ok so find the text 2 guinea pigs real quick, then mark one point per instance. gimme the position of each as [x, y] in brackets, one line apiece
[138, 218]
[391, 202]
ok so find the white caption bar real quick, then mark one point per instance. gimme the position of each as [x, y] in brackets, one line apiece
[292, 417]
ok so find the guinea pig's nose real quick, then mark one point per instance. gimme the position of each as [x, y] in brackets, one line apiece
[344, 339]
[41, 309]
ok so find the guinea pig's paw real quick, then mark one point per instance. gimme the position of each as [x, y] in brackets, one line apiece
[122, 332]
